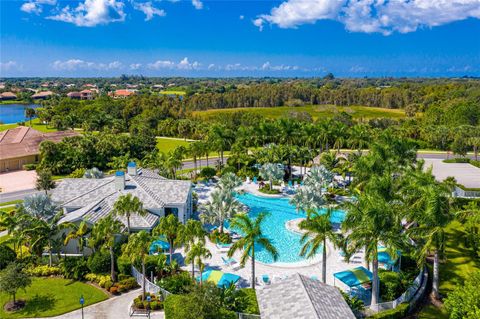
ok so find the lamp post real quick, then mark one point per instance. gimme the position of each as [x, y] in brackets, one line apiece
[82, 301]
[149, 298]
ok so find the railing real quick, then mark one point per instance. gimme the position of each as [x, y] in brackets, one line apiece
[465, 193]
[247, 316]
[149, 286]
[405, 297]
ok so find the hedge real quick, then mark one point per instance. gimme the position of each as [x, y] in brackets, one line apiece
[398, 313]
[183, 307]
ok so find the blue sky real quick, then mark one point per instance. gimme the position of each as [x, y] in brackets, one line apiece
[353, 38]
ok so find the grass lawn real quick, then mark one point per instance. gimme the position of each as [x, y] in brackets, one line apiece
[35, 124]
[173, 92]
[166, 145]
[459, 265]
[316, 111]
[52, 297]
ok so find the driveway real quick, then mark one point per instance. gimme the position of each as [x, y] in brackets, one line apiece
[17, 181]
[465, 174]
[113, 308]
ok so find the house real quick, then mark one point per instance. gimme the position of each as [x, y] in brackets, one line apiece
[21, 145]
[86, 95]
[89, 200]
[121, 94]
[74, 95]
[42, 95]
[301, 297]
[8, 96]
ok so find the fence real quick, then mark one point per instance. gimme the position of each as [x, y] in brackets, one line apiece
[465, 193]
[247, 316]
[149, 286]
[405, 297]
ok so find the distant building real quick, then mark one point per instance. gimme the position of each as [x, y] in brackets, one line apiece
[158, 86]
[42, 95]
[301, 297]
[74, 95]
[122, 94]
[86, 95]
[8, 96]
[21, 145]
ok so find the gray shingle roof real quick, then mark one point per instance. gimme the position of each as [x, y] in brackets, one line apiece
[302, 298]
[93, 199]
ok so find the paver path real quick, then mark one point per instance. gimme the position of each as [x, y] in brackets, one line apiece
[113, 308]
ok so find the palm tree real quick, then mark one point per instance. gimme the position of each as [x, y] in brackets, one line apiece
[125, 205]
[30, 113]
[191, 234]
[271, 172]
[137, 248]
[170, 227]
[228, 182]
[221, 207]
[195, 255]
[105, 232]
[39, 206]
[252, 239]
[370, 221]
[430, 233]
[78, 232]
[318, 230]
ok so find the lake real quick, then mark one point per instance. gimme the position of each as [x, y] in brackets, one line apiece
[14, 113]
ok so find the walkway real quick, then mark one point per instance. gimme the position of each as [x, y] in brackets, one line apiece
[113, 308]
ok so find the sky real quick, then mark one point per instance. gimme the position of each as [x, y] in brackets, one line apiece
[200, 38]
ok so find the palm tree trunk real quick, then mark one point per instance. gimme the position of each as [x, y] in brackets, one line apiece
[171, 251]
[324, 262]
[50, 256]
[144, 280]
[112, 264]
[195, 165]
[193, 270]
[375, 283]
[367, 263]
[128, 224]
[436, 275]
[271, 184]
[253, 268]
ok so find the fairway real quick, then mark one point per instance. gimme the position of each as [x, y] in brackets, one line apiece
[166, 145]
[316, 111]
[48, 297]
[35, 125]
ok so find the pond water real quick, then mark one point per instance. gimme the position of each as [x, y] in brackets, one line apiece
[14, 113]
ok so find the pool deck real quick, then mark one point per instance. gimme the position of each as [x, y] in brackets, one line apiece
[275, 271]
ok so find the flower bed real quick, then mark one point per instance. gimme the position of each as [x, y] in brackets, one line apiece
[155, 303]
[104, 281]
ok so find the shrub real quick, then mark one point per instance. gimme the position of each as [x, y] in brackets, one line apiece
[97, 278]
[74, 268]
[30, 167]
[246, 301]
[43, 271]
[138, 303]
[177, 284]
[78, 173]
[464, 301]
[108, 285]
[398, 313]
[391, 286]
[122, 277]
[223, 238]
[114, 290]
[228, 169]
[208, 172]
[124, 265]
[7, 255]
[156, 305]
[99, 262]
[129, 283]
[121, 288]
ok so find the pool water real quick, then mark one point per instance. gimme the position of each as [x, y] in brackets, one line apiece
[280, 211]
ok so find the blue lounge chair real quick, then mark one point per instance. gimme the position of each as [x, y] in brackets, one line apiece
[266, 279]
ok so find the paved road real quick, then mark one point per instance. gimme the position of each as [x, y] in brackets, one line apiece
[113, 308]
[11, 196]
[211, 161]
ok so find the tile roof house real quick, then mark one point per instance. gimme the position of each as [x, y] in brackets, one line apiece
[301, 297]
[86, 199]
[8, 96]
[42, 95]
[121, 94]
[21, 145]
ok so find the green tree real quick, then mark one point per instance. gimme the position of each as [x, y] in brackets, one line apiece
[136, 249]
[464, 301]
[222, 206]
[318, 230]
[252, 238]
[12, 278]
[191, 234]
[170, 227]
[105, 231]
[126, 205]
[44, 181]
[30, 113]
[78, 232]
[271, 173]
[195, 255]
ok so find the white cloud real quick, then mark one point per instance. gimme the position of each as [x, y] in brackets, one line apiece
[184, 64]
[9, 65]
[198, 4]
[268, 67]
[92, 12]
[135, 66]
[77, 64]
[371, 15]
[35, 6]
[149, 10]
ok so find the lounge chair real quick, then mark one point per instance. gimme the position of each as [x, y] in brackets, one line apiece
[223, 248]
[229, 262]
[265, 280]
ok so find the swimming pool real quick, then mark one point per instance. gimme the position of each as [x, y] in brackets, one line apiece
[280, 211]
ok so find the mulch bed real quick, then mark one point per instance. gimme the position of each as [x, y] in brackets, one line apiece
[11, 306]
